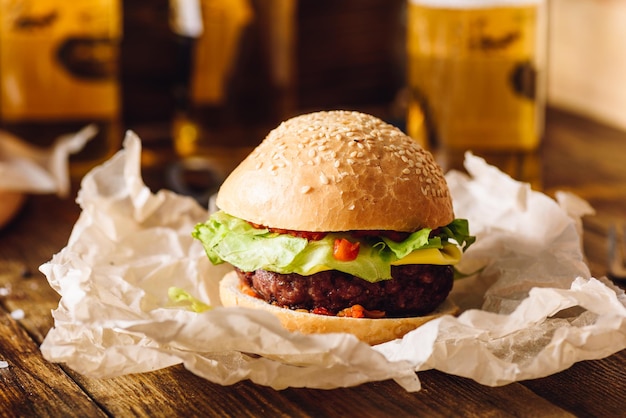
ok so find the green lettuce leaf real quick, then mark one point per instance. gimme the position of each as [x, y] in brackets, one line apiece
[416, 241]
[458, 230]
[180, 298]
[229, 239]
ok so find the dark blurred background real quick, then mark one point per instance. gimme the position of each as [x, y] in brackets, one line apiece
[349, 54]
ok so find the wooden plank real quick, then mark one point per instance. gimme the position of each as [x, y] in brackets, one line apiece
[442, 395]
[41, 230]
[29, 292]
[596, 173]
[31, 386]
[591, 388]
[176, 392]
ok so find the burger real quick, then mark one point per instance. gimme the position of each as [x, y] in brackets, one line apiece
[338, 222]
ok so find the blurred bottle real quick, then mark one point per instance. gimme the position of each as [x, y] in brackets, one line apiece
[59, 73]
[236, 78]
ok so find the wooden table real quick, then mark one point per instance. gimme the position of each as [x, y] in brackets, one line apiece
[578, 155]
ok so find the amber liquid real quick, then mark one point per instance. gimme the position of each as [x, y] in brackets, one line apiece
[240, 79]
[476, 76]
[58, 73]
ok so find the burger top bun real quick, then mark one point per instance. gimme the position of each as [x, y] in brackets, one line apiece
[338, 171]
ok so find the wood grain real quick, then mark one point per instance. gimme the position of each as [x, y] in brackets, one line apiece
[590, 388]
[31, 386]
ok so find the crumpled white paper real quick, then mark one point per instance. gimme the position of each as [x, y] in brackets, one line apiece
[29, 169]
[532, 310]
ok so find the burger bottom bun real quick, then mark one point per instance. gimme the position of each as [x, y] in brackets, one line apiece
[371, 331]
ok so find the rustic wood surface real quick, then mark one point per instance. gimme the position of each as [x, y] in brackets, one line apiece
[578, 155]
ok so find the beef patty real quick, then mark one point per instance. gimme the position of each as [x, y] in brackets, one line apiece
[415, 289]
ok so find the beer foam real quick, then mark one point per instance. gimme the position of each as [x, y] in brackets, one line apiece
[474, 4]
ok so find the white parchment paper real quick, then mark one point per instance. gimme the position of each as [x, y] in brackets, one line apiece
[532, 310]
[30, 169]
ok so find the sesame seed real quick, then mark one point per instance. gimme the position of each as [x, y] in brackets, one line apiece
[326, 138]
[305, 189]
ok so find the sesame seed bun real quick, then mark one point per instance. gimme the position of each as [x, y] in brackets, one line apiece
[338, 171]
[371, 331]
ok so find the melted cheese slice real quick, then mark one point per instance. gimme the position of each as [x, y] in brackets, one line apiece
[450, 254]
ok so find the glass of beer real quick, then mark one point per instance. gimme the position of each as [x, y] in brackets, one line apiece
[476, 73]
[59, 73]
